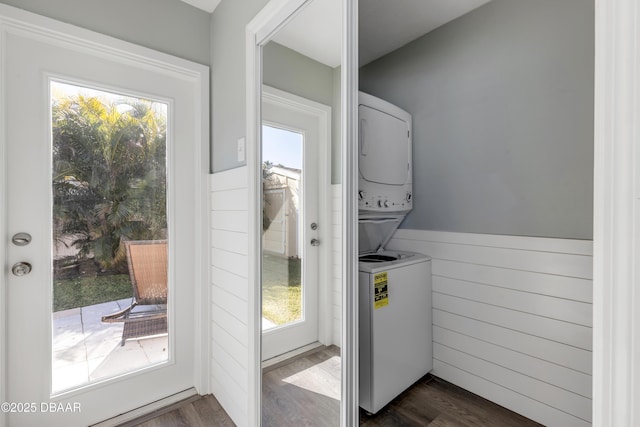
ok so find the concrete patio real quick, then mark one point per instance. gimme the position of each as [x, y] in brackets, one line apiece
[86, 350]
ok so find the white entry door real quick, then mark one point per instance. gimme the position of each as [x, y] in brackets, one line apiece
[100, 144]
[294, 142]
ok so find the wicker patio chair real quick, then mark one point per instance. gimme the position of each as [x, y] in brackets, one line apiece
[147, 262]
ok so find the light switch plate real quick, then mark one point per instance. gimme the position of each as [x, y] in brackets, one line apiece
[241, 150]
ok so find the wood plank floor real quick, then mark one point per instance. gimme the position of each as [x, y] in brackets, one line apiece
[200, 411]
[305, 391]
[434, 402]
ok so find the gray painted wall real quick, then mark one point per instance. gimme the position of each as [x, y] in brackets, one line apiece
[228, 73]
[502, 104]
[287, 70]
[228, 79]
[168, 26]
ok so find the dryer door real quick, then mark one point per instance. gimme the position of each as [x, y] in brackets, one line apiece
[384, 147]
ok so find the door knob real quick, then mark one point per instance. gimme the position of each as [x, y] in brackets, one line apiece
[21, 239]
[21, 268]
[315, 242]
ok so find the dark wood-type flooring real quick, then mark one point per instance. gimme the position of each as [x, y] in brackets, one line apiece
[302, 391]
[434, 402]
[197, 411]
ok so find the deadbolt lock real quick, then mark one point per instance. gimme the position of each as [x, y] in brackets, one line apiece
[21, 268]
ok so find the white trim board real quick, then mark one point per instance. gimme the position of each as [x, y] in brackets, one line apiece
[349, 410]
[616, 319]
[558, 257]
[336, 262]
[512, 319]
[542, 244]
[149, 409]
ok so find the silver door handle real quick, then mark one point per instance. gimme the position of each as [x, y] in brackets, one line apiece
[315, 242]
[21, 239]
[21, 268]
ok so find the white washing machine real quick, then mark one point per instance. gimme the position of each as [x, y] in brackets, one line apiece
[395, 322]
[395, 325]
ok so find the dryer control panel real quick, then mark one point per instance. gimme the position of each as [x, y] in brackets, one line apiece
[385, 201]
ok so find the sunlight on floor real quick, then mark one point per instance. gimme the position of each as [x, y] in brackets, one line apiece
[316, 380]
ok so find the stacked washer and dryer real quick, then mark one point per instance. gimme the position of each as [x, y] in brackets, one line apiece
[394, 286]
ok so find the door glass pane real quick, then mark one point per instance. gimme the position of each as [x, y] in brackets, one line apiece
[109, 174]
[282, 292]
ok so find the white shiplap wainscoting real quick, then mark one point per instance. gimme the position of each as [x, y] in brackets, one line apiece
[336, 261]
[230, 292]
[512, 319]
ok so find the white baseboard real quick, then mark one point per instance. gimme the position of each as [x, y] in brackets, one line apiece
[147, 409]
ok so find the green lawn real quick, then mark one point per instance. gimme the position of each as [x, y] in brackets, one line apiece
[281, 290]
[84, 291]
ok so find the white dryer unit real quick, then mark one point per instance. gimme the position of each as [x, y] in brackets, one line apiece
[384, 157]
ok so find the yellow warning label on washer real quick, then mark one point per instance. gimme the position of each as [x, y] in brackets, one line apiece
[381, 290]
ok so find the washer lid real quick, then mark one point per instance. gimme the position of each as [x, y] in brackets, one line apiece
[376, 231]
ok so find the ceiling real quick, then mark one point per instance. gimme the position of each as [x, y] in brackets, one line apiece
[385, 25]
[315, 32]
[206, 5]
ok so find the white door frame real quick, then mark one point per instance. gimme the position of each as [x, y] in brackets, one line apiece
[17, 20]
[322, 113]
[616, 230]
[258, 32]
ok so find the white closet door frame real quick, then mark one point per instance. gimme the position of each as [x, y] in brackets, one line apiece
[274, 15]
[616, 230]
